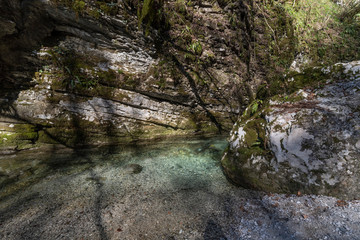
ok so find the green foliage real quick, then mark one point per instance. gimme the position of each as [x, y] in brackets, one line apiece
[252, 109]
[350, 11]
[147, 12]
[78, 6]
[181, 6]
[321, 31]
[151, 14]
[255, 106]
[107, 8]
[311, 28]
[195, 47]
[317, 29]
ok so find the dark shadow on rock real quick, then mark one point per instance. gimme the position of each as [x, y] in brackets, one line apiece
[195, 91]
[26, 26]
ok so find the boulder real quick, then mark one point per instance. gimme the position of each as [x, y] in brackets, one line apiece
[308, 141]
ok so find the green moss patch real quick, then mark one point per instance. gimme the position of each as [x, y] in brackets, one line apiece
[22, 136]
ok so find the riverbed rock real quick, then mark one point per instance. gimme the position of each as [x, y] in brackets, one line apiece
[308, 141]
[133, 168]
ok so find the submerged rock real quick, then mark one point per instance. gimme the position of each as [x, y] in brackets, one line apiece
[307, 142]
[133, 168]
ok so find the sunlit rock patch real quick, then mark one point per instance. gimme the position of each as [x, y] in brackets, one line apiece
[311, 141]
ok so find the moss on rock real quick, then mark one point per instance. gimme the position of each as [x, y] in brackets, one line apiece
[247, 144]
[19, 137]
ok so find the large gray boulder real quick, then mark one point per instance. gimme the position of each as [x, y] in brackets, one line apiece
[308, 141]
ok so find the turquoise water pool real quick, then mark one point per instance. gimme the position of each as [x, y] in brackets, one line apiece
[167, 190]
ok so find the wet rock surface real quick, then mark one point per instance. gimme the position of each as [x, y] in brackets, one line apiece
[133, 168]
[307, 143]
[82, 195]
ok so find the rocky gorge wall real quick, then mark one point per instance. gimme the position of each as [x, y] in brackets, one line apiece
[106, 72]
[72, 76]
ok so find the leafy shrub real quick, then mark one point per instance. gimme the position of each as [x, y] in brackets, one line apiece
[195, 47]
[325, 31]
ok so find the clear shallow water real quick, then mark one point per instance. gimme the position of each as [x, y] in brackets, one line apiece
[94, 194]
[169, 160]
[26, 168]
[181, 193]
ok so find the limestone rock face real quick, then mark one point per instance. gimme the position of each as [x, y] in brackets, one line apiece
[81, 78]
[307, 142]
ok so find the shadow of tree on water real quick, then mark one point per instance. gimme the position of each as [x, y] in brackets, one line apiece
[213, 231]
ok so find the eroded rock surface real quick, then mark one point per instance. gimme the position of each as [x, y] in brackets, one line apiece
[80, 78]
[307, 142]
